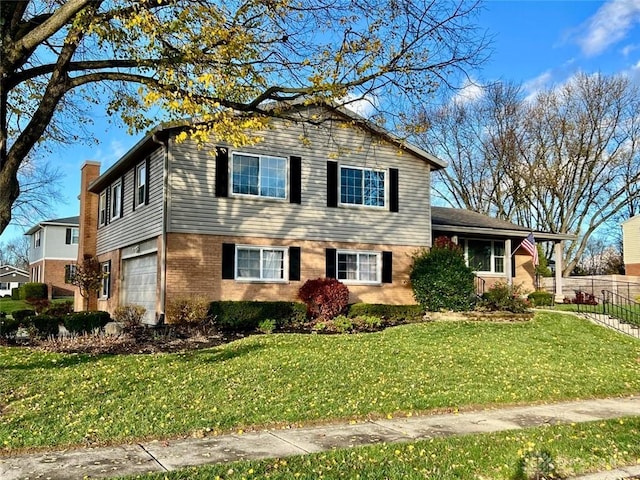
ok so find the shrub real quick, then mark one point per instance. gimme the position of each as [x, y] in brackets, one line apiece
[244, 316]
[504, 297]
[367, 323]
[392, 314]
[8, 326]
[130, 316]
[584, 298]
[45, 325]
[86, 322]
[38, 304]
[21, 315]
[441, 279]
[325, 298]
[60, 309]
[267, 326]
[541, 299]
[187, 311]
[15, 293]
[342, 324]
[33, 290]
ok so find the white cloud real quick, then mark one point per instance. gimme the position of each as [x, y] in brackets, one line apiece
[627, 49]
[609, 25]
[536, 84]
[364, 106]
[470, 92]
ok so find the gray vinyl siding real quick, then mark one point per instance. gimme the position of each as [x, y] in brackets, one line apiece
[194, 208]
[142, 223]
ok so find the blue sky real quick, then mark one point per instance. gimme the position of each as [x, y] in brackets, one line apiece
[537, 43]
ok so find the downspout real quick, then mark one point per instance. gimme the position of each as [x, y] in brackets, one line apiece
[162, 139]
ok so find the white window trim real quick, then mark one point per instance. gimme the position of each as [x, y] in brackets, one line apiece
[76, 236]
[102, 208]
[141, 182]
[493, 256]
[116, 200]
[260, 157]
[261, 248]
[362, 205]
[106, 281]
[378, 255]
[37, 239]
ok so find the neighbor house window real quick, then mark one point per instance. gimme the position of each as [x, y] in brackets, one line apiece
[260, 263]
[259, 175]
[37, 238]
[362, 267]
[487, 256]
[116, 200]
[102, 209]
[360, 186]
[69, 273]
[105, 286]
[72, 236]
[4, 286]
[141, 184]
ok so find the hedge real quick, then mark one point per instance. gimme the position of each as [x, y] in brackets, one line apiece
[243, 316]
[85, 322]
[8, 325]
[15, 293]
[34, 290]
[541, 298]
[21, 315]
[46, 325]
[393, 314]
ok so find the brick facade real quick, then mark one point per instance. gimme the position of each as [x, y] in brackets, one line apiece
[52, 272]
[113, 301]
[194, 267]
[632, 269]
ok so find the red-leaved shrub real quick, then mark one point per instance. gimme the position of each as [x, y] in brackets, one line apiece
[325, 298]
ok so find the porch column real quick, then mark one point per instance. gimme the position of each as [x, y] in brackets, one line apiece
[557, 254]
[507, 257]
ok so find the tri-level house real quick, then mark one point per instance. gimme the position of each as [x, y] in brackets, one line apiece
[52, 252]
[339, 198]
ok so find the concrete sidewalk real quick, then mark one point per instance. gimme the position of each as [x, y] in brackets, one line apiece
[159, 456]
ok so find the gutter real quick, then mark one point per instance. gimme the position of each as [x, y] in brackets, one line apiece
[162, 138]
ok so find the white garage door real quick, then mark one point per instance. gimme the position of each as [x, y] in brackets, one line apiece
[139, 284]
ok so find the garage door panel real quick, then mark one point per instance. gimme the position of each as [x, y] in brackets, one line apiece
[139, 284]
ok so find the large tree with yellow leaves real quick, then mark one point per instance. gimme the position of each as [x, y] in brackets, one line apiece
[225, 63]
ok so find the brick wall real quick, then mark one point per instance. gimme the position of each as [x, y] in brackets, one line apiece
[632, 269]
[54, 273]
[194, 267]
[110, 304]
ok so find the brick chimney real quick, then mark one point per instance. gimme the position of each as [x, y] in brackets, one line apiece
[90, 171]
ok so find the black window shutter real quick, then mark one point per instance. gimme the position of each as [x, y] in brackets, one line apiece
[294, 263]
[228, 261]
[222, 172]
[332, 184]
[331, 260]
[109, 280]
[147, 170]
[67, 240]
[393, 189]
[387, 267]
[107, 200]
[295, 179]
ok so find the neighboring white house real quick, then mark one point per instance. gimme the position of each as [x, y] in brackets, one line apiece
[631, 245]
[53, 248]
[11, 277]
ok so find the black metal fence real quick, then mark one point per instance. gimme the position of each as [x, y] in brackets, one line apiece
[611, 309]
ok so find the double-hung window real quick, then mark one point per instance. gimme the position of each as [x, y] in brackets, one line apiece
[260, 263]
[486, 256]
[259, 175]
[361, 186]
[102, 209]
[141, 184]
[105, 285]
[361, 267]
[116, 200]
[37, 238]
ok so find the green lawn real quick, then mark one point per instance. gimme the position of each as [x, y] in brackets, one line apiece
[51, 400]
[575, 449]
[8, 305]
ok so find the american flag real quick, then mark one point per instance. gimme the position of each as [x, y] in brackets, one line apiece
[529, 244]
